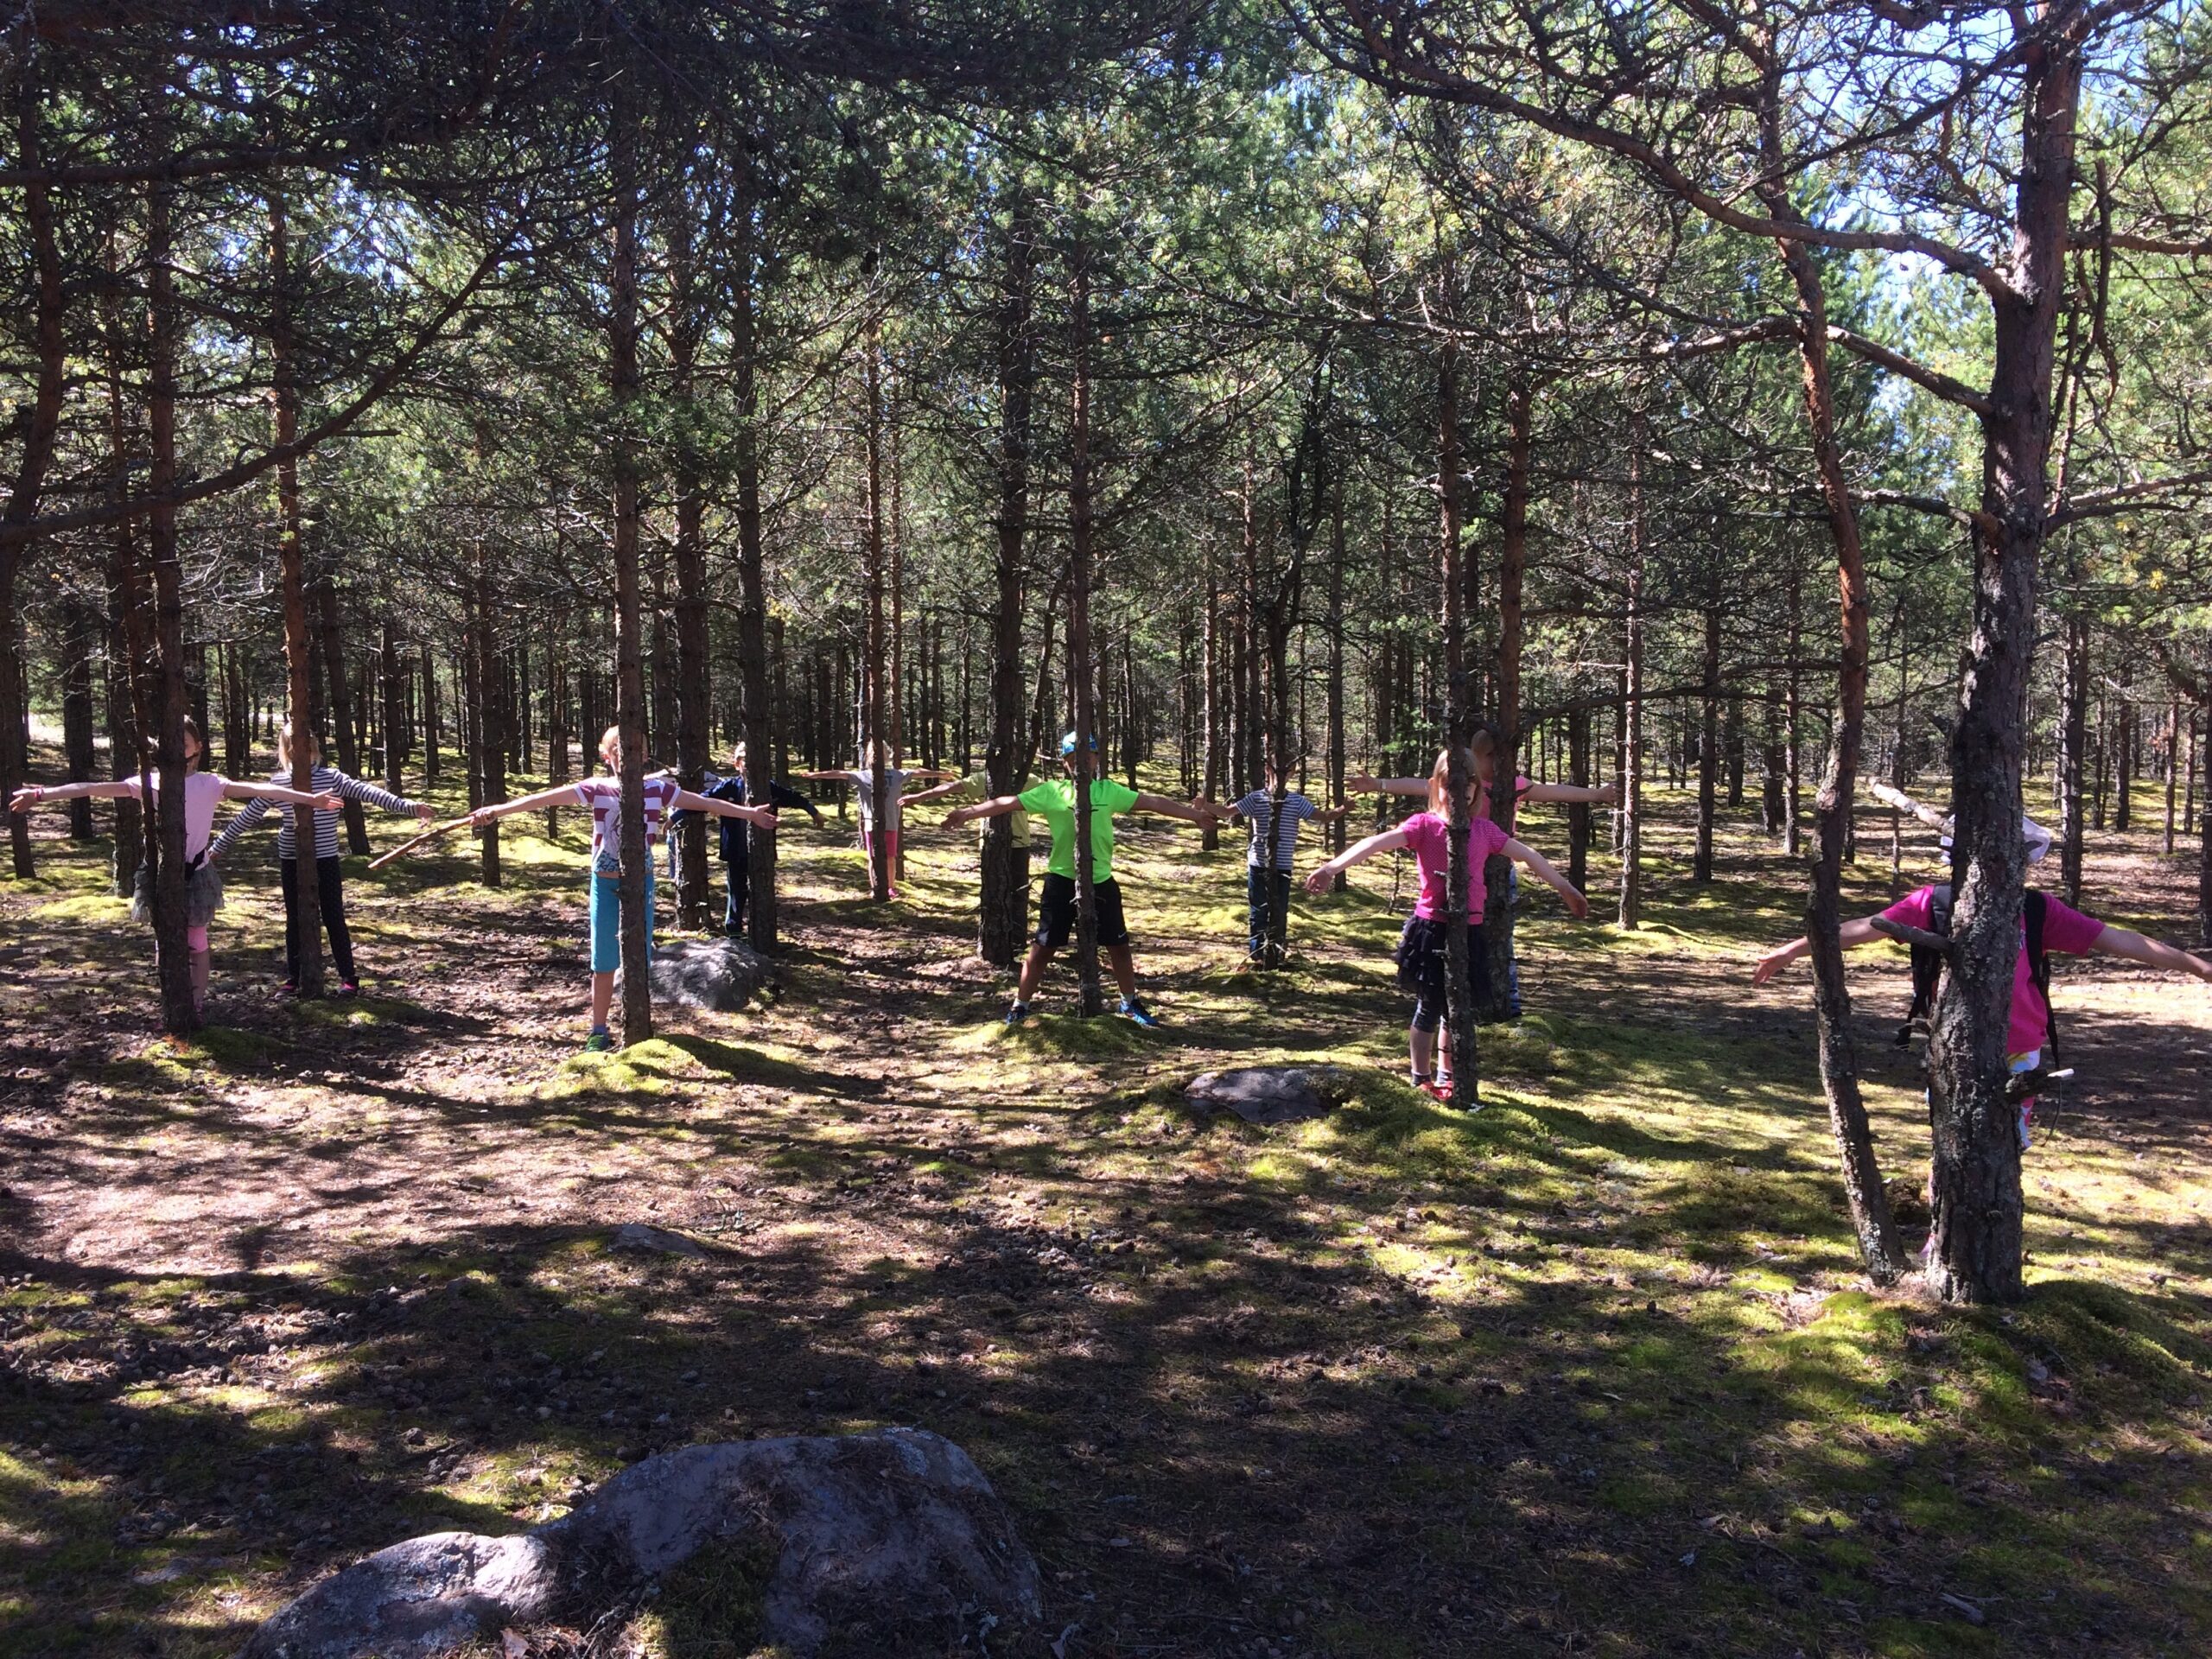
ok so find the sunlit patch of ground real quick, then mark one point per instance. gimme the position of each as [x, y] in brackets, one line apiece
[1592, 1371]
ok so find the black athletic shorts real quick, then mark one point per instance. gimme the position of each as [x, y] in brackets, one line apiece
[1421, 968]
[1056, 912]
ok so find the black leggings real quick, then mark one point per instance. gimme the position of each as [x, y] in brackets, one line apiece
[330, 899]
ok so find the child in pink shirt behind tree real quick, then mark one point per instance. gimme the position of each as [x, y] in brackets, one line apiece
[1421, 946]
[2029, 1027]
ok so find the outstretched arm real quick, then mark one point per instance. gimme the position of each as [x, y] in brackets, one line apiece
[1569, 894]
[1189, 811]
[1605, 795]
[31, 794]
[937, 794]
[559, 794]
[759, 816]
[2152, 953]
[1323, 878]
[1851, 934]
[290, 797]
[1361, 784]
[360, 789]
[991, 809]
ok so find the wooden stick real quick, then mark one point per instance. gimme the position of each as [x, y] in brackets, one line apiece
[431, 833]
[1903, 803]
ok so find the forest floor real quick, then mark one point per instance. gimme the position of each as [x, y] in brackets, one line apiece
[1592, 1371]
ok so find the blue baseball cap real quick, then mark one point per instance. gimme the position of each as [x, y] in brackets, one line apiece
[1067, 745]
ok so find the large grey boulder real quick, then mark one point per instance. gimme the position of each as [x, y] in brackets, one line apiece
[1272, 1094]
[889, 1542]
[722, 975]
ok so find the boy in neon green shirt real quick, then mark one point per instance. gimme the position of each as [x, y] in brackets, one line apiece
[1054, 800]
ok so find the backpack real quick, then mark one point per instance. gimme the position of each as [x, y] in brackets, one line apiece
[1927, 965]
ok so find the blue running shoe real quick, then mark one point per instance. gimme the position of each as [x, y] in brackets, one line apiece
[1134, 1010]
[1017, 1014]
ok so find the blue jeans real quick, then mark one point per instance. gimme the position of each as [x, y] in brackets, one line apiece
[1255, 889]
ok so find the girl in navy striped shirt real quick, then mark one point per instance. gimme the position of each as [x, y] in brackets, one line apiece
[330, 882]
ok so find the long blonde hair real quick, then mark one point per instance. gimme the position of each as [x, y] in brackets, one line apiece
[610, 747]
[285, 747]
[1439, 776]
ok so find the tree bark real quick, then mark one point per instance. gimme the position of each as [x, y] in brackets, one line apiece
[291, 567]
[486, 708]
[1631, 806]
[1461, 1013]
[876, 648]
[629, 660]
[1862, 1177]
[41, 422]
[1339, 756]
[2073, 750]
[1002, 917]
[341, 710]
[2123, 813]
[1504, 798]
[1709, 750]
[79, 635]
[127, 650]
[763, 730]
[1080, 530]
[687, 325]
[180, 1017]
[1977, 1199]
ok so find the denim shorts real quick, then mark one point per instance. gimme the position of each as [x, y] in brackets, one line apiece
[606, 920]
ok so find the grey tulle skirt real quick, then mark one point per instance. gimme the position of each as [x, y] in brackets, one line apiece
[203, 895]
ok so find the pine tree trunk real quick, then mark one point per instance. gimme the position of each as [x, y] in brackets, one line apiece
[487, 738]
[173, 963]
[80, 640]
[1977, 1197]
[1003, 915]
[342, 712]
[686, 327]
[629, 661]
[39, 423]
[2073, 745]
[763, 730]
[1631, 806]
[1708, 751]
[1339, 756]
[2123, 815]
[291, 566]
[1089, 999]
[127, 649]
[1461, 1013]
[875, 649]
[433, 739]
[1862, 1177]
[1504, 799]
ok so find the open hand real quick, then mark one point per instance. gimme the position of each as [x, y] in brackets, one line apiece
[765, 820]
[1321, 879]
[424, 812]
[955, 818]
[1771, 964]
[329, 803]
[1361, 784]
[26, 797]
[1575, 902]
